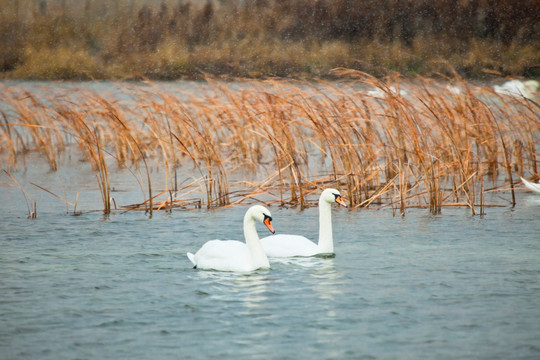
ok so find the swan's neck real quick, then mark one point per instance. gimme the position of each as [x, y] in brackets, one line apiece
[326, 242]
[256, 250]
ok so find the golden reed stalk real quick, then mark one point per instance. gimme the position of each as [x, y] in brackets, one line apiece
[281, 141]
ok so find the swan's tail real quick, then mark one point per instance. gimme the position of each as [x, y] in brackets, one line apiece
[191, 258]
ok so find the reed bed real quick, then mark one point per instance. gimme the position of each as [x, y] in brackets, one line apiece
[281, 142]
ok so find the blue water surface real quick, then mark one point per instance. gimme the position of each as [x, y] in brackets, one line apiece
[452, 286]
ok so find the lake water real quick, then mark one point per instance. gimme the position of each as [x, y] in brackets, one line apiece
[452, 286]
[418, 287]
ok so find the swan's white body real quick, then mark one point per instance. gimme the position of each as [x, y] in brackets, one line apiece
[380, 93]
[453, 89]
[518, 88]
[237, 256]
[532, 186]
[284, 245]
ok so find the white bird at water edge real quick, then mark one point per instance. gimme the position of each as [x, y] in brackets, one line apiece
[285, 245]
[237, 256]
[380, 93]
[532, 186]
[518, 88]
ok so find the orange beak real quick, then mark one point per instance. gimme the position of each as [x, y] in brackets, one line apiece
[340, 201]
[268, 224]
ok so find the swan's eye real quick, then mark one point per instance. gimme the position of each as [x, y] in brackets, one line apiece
[337, 196]
[267, 217]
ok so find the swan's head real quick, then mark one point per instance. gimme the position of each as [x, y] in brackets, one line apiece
[332, 196]
[262, 214]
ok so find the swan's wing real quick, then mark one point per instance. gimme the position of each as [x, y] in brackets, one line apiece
[227, 255]
[532, 186]
[284, 245]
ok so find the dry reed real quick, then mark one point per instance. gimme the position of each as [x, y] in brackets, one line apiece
[276, 141]
[30, 205]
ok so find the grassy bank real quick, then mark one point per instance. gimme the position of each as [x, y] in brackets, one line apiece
[431, 147]
[99, 39]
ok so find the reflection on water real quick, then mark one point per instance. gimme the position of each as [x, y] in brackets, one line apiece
[249, 289]
[533, 200]
[327, 281]
[243, 308]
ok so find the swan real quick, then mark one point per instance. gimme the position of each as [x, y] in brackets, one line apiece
[232, 255]
[518, 88]
[284, 245]
[532, 186]
[453, 89]
[383, 93]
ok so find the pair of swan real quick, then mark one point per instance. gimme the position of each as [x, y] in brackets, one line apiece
[231, 255]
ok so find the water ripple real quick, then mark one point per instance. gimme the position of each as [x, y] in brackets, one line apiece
[89, 288]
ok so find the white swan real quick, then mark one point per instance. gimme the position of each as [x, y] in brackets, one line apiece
[453, 89]
[232, 255]
[284, 245]
[532, 186]
[383, 93]
[518, 88]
